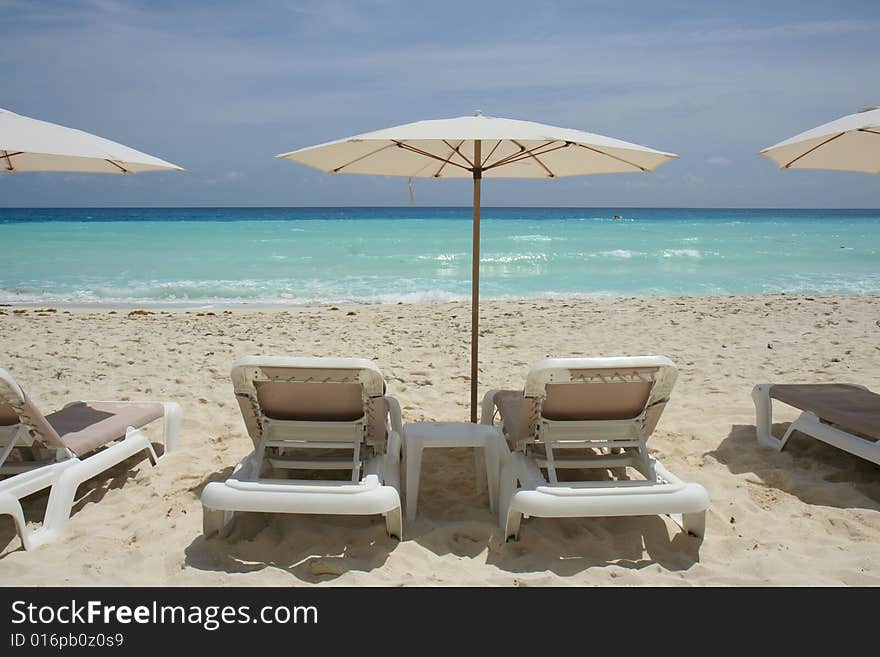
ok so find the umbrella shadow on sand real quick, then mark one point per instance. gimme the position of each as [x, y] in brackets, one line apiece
[313, 548]
[91, 491]
[813, 471]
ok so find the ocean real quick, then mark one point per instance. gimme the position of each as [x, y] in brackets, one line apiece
[265, 256]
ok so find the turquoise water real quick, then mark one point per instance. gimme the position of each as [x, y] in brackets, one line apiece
[337, 255]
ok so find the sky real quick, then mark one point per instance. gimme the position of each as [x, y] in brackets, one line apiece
[219, 87]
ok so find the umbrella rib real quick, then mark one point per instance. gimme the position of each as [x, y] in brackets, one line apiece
[535, 157]
[613, 157]
[8, 155]
[804, 154]
[525, 154]
[492, 152]
[546, 168]
[118, 166]
[419, 151]
[457, 150]
[358, 159]
[873, 132]
[522, 153]
[451, 155]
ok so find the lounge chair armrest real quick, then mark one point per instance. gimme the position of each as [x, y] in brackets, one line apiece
[392, 407]
[394, 445]
[487, 416]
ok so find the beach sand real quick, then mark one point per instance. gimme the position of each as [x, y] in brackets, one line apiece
[807, 516]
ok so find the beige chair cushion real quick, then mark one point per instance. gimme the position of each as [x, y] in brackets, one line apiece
[847, 406]
[333, 402]
[81, 427]
[313, 402]
[577, 401]
[595, 401]
[85, 426]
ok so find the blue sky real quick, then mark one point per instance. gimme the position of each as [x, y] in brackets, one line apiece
[220, 87]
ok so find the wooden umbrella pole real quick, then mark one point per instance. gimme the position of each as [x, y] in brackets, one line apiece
[475, 279]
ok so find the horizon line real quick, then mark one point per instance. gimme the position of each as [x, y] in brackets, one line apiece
[426, 207]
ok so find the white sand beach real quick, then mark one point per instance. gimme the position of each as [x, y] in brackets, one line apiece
[807, 516]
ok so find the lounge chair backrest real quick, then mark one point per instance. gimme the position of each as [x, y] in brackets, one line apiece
[17, 408]
[310, 390]
[578, 389]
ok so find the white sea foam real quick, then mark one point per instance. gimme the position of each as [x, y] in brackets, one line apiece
[616, 253]
[416, 297]
[682, 253]
[533, 238]
[515, 257]
[442, 257]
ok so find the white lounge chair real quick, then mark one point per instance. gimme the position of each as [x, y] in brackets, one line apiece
[312, 416]
[65, 448]
[589, 413]
[846, 416]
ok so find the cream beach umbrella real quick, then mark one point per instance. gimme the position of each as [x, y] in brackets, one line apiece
[850, 143]
[479, 147]
[28, 144]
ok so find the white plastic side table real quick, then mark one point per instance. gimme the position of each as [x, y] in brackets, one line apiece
[420, 435]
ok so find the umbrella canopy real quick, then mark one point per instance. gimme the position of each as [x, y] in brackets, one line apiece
[444, 148]
[850, 143]
[479, 147]
[28, 144]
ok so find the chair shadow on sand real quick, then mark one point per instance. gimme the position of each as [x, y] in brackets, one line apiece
[812, 471]
[454, 518]
[569, 546]
[298, 544]
[91, 491]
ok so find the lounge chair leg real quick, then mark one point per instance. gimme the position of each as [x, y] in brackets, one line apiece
[12, 507]
[692, 523]
[61, 496]
[171, 427]
[213, 521]
[764, 418]
[508, 518]
[511, 526]
[135, 435]
[63, 490]
[394, 523]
